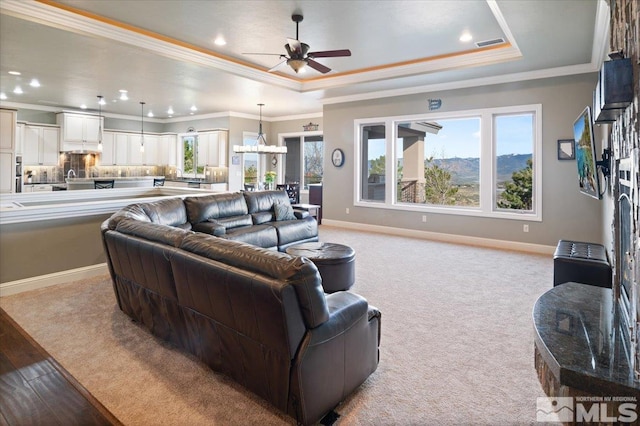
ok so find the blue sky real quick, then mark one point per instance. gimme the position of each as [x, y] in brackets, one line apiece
[461, 138]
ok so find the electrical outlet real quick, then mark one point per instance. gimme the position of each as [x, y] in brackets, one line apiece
[347, 210]
[525, 228]
[424, 217]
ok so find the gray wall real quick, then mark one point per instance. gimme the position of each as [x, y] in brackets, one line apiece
[565, 212]
[32, 249]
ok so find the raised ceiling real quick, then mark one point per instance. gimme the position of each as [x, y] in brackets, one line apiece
[163, 52]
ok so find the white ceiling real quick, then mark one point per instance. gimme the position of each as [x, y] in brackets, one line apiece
[163, 53]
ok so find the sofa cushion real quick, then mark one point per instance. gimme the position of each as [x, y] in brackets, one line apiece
[200, 209]
[262, 201]
[170, 212]
[262, 217]
[283, 211]
[264, 236]
[233, 221]
[290, 231]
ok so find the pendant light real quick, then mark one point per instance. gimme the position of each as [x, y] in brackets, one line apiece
[261, 140]
[142, 127]
[100, 102]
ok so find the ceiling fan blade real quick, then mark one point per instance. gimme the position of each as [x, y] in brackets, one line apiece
[330, 53]
[295, 47]
[318, 66]
[277, 66]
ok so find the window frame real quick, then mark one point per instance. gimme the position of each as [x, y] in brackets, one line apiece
[488, 206]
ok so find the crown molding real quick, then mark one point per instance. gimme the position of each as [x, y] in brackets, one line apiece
[463, 84]
[54, 15]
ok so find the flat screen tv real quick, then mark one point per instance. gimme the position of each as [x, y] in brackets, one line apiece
[586, 154]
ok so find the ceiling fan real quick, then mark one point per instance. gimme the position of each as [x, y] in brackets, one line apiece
[298, 55]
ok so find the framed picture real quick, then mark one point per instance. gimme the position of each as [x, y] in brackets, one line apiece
[566, 149]
[235, 160]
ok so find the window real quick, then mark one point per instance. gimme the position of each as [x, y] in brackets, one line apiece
[439, 162]
[304, 159]
[373, 159]
[481, 162]
[251, 166]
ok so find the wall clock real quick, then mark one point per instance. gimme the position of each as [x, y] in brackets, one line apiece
[337, 157]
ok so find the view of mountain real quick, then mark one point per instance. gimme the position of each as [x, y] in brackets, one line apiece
[467, 170]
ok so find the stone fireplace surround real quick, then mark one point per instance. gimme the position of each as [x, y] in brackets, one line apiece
[569, 358]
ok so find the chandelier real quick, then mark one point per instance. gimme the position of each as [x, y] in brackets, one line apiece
[261, 146]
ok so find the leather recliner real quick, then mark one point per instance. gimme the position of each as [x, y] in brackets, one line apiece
[259, 316]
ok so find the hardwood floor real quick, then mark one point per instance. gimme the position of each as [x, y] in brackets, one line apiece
[36, 390]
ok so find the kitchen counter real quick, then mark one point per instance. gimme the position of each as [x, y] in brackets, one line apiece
[119, 182]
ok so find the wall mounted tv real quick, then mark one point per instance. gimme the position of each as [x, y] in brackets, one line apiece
[585, 149]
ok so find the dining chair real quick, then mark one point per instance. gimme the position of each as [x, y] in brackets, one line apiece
[103, 184]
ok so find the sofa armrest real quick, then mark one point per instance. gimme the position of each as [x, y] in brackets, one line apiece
[335, 357]
[210, 227]
[300, 214]
[345, 309]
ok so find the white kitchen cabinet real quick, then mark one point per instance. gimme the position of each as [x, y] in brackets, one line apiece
[168, 150]
[121, 148]
[79, 131]
[7, 172]
[222, 148]
[7, 129]
[212, 149]
[37, 188]
[151, 150]
[40, 146]
[7, 147]
[20, 138]
[108, 154]
[135, 156]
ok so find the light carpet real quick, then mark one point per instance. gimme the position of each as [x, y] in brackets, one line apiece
[456, 347]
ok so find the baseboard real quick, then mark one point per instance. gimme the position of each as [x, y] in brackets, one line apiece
[447, 238]
[41, 281]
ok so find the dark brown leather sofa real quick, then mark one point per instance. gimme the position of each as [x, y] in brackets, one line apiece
[258, 315]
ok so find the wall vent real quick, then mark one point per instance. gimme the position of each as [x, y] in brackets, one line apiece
[490, 42]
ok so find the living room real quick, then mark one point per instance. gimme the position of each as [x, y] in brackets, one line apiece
[563, 212]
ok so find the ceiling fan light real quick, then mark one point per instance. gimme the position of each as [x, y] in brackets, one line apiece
[296, 64]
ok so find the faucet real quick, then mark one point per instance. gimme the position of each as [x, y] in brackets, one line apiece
[71, 173]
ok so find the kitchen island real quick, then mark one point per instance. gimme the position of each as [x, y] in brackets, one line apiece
[119, 182]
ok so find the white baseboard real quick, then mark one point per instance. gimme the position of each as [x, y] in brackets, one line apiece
[33, 283]
[447, 238]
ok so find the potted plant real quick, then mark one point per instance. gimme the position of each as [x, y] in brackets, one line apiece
[270, 178]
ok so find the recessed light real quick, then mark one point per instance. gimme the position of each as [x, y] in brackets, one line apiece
[83, 106]
[170, 111]
[18, 90]
[102, 101]
[150, 114]
[3, 96]
[15, 73]
[34, 83]
[193, 108]
[123, 95]
[466, 36]
[220, 41]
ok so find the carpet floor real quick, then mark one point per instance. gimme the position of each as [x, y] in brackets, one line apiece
[456, 346]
